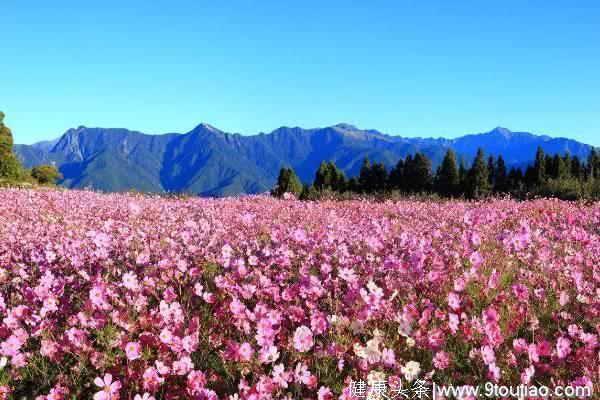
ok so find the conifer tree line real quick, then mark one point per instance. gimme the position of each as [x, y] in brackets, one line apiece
[559, 176]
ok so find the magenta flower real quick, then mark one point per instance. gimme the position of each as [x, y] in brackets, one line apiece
[563, 347]
[245, 351]
[521, 291]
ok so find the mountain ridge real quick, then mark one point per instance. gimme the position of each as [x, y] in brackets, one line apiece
[211, 162]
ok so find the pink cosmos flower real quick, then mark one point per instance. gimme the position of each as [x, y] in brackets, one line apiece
[133, 351]
[527, 374]
[19, 360]
[441, 360]
[544, 348]
[162, 368]
[196, 381]
[11, 346]
[520, 345]
[476, 259]
[268, 354]
[324, 393]
[245, 351]
[110, 389]
[302, 374]
[182, 366]
[145, 396]
[494, 372]
[521, 291]
[166, 336]
[453, 301]
[532, 351]
[487, 353]
[388, 357]
[453, 322]
[151, 379]
[198, 289]
[98, 297]
[130, 281]
[563, 347]
[56, 393]
[563, 299]
[142, 258]
[303, 339]
[4, 392]
[190, 343]
[280, 376]
[459, 284]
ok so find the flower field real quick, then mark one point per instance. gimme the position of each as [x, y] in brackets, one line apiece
[122, 296]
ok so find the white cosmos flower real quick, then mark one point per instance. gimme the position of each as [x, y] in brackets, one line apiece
[411, 370]
[375, 376]
[372, 353]
[405, 327]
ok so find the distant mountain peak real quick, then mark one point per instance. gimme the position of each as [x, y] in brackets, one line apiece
[502, 132]
[500, 129]
[346, 127]
[207, 127]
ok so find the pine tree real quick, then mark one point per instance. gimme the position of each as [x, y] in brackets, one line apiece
[479, 185]
[365, 176]
[462, 177]
[551, 169]
[353, 185]
[287, 182]
[565, 171]
[560, 170]
[491, 166]
[565, 166]
[530, 177]
[447, 179]
[576, 168]
[309, 193]
[10, 167]
[422, 173]
[321, 177]
[378, 178]
[395, 177]
[408, 181]
[515, 178]
[501, 177]
[335, 177]
[540, 166]
[593, 164]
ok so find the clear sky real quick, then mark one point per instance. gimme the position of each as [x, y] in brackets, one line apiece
[410, 68]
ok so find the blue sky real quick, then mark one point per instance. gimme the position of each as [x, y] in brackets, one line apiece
[403, 67]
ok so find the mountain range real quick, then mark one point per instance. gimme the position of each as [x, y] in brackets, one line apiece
[207, 161]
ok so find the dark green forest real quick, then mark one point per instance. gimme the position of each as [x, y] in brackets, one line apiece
[563, 177]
